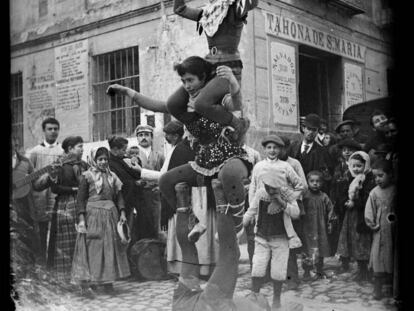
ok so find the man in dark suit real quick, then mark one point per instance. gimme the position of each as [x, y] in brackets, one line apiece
[312, 157]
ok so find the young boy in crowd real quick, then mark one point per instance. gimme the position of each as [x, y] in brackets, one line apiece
[355, 236]
[317, 223]
[273, 206]
[380, 217]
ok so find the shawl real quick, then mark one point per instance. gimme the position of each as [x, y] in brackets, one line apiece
[98, 175]
[359, 179]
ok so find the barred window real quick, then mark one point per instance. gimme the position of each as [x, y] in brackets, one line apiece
[115, 115]
[16, 105]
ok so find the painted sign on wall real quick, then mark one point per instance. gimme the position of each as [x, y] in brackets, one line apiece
[71, 67]
[283, 83]
[286, 28]
[353, 84]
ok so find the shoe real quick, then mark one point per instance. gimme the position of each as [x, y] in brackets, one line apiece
[87, 292]
[292, 285]
[196, 232]
[306, 276]
[318, 276]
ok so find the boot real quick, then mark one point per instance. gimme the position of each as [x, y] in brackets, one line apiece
[277, 291]
[240, 126]
[377, 288]
[344, 265]
[223, 207]
[362, 274]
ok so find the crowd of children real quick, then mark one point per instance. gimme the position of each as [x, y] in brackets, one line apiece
[355, 220]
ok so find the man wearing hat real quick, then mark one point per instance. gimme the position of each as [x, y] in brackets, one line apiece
[312, 157]
[151, 160]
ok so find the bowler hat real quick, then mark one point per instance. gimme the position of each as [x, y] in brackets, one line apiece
[174, 127]
[274, 139]
[382, 149]
[143, 128]
[349, 142]
[312, 120]
[338, 127]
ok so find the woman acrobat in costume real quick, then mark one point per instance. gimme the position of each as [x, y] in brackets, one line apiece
[217, 154]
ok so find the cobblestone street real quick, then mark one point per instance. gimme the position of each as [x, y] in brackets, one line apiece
[335, 293]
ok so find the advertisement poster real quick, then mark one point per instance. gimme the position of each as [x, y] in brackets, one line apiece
[283, 84]
[353, 84]
[71, 66]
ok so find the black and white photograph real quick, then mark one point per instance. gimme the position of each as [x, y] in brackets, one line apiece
[204, 155]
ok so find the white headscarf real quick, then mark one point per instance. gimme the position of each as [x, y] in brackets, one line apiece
[365, 156]
[98, 175]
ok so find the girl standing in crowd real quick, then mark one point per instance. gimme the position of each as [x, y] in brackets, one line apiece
[355, 236]
[62, 232]
[339, 193]
[380, 217]
[317, 223]
[102, 258]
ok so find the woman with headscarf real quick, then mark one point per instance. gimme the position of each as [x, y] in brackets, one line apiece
[355, 237]
[62, 230]
[100, 257]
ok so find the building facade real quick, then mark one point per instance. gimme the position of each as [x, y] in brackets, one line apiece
[299, 56]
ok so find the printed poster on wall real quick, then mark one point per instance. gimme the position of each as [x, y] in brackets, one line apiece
[353, 84]
[71, 71]
[283, 84]
[40, 91]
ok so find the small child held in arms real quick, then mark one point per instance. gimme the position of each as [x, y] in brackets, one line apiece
[132, 158]
[317, 224]
[380, 217]
[272, 206]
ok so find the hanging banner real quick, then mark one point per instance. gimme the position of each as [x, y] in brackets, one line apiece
[353, 84]
[283, 84]
[286, 28]
[71, 67]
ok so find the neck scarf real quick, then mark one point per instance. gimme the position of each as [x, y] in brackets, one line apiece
[98, 175]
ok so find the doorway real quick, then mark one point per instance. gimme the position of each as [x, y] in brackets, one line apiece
[320, 80]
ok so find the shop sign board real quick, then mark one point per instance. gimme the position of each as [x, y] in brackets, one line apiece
[289, 29]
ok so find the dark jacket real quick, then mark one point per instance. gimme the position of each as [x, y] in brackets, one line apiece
[128, 177]
[316, 159]
[181, 155]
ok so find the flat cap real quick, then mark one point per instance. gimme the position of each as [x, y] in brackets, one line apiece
[274, 139]
[344, 122]
[143, 128]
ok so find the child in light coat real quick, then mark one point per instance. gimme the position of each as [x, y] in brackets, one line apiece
[380, 217]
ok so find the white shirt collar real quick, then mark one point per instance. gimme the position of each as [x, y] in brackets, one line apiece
[302, 148]
[50, 145]
[272, 161]
[146, 150]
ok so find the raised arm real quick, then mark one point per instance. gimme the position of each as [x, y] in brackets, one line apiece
[245, 6]
[141, 100]
[180, 8]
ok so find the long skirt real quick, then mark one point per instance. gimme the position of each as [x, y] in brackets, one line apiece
[207, 247]
[62, 238]
[351, 243]
[99, 255]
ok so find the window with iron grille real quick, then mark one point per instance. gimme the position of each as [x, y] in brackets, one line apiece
[115, 115]
[16, 105]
